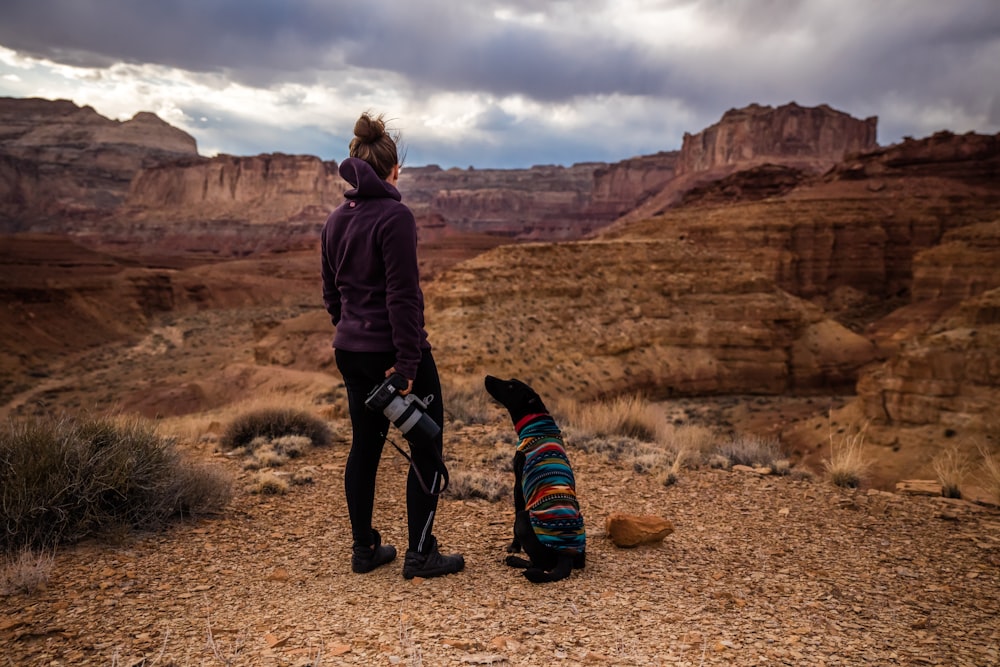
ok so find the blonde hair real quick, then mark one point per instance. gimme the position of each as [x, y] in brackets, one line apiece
[374, 144]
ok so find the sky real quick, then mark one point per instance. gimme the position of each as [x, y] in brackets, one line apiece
[503, 83]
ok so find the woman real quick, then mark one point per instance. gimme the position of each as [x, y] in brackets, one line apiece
[371, 288]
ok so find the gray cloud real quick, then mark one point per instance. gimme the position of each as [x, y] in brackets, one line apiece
[914, 63]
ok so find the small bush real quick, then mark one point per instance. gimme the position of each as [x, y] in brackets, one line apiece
[64, 479]
[611, 448]
[848, 464]
[267, 483]
[272, 424]
[951, 466]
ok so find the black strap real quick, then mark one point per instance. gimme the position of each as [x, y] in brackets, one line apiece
[440, 465]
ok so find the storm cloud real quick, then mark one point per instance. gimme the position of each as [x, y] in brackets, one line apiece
[495, 83]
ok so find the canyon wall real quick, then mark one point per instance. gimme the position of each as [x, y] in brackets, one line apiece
[813, 138]
[847, 238]
[807, 139]
[261, 189]
[143, 172]
[62, 162]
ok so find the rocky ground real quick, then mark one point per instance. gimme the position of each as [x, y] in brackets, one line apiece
[761, 570]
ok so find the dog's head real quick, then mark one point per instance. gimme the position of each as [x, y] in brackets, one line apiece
[519, 399]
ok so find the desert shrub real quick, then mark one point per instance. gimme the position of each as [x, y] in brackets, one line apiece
[848, 464]
[64, 479]
[272, 424]
[951, 466]
[749, 450]
[465, 485]
[267, 483]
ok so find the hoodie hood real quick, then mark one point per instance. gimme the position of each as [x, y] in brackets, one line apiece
[367, 184]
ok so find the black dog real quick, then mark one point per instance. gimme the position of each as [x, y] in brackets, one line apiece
[547, 521]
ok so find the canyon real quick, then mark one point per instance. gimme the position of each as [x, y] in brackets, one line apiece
[779, 253]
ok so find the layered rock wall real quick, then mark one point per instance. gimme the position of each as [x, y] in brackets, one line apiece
[620, 187]
[260, 189]
[657, 317]
[857, 228]
[542, 202]
[58, 160]
[808, 137]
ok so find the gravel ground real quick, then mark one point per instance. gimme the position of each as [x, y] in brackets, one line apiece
[761, 570]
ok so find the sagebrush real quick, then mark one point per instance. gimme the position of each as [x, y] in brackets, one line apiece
[272, 424]
[64, 478]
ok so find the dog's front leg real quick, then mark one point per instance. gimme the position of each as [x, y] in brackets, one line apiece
[522, 522]
[519, 504]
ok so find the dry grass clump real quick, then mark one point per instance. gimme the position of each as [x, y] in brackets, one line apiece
[951, 466]
[663, 464]
[848, 464]
[268, 483]
[26, 571]
[467, 484]
[636, 432]
[272, 424]
[64, 479]
[749, 450]
[265, 453]
[990, 471]
[627, 416]
[467, 402]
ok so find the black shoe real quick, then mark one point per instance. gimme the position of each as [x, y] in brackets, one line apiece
[432, 563]
[366, 557]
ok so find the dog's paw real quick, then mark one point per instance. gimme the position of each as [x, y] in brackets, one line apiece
[517, 561]
[537, 576]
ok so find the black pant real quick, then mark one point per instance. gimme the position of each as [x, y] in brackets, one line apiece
[362, 371]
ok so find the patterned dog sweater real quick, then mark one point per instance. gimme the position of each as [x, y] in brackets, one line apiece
[550, 488]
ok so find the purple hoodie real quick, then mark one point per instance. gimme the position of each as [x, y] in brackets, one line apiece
[371, 283]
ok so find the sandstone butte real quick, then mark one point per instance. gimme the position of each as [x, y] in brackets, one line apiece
[780, 252]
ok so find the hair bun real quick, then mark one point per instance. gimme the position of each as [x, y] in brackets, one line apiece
[369, 130]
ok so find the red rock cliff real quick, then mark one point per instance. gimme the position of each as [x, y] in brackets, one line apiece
[806, 137]
[260, 189]
[59, 161]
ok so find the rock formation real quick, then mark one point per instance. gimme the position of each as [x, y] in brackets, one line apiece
[805, 291]
[542, 202]
[854, 230]
[620, 187]
[58, 160]
[807, 139]
[260, 189]
[660, 317]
